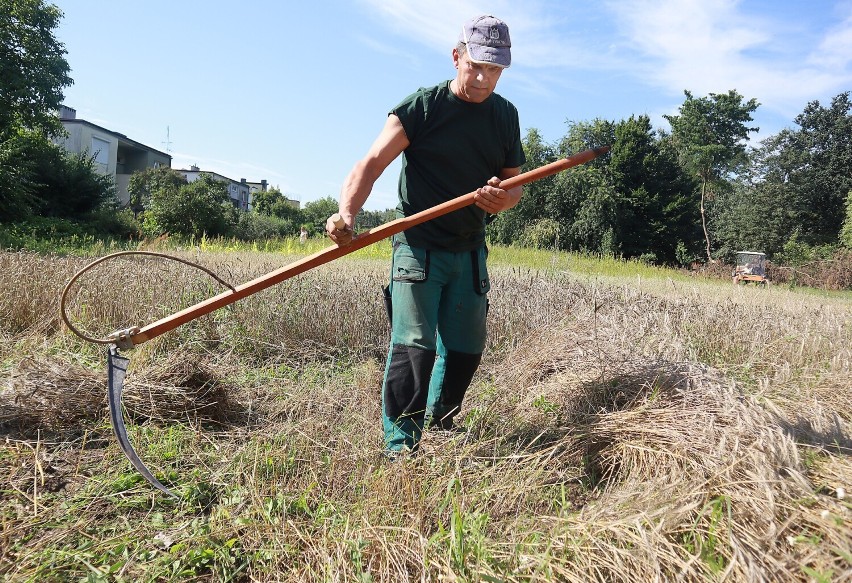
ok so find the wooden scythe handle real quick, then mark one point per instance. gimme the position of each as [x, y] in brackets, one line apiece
[363, 240]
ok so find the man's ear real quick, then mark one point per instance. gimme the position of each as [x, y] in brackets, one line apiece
[456, 58]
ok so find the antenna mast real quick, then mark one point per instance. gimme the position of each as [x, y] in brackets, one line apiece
[168, 142]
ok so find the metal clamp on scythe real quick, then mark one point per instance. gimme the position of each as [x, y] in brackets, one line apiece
[131, 337]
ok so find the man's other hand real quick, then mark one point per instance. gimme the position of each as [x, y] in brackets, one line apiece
[493, 199]
[339, 230]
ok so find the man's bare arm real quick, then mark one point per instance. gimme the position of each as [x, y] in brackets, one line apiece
[359, 183]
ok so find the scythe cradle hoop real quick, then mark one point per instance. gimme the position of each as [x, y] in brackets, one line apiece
[130, 337]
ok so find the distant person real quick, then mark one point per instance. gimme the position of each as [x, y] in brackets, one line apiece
[455, 137]
[303, 236]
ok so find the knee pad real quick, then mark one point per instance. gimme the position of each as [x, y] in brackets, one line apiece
[458, 370]
[407, 381]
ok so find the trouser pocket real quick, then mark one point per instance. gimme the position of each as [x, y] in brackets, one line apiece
[410, 264]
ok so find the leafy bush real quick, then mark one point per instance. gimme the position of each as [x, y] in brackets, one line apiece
[254, 226]
[542, 234]
[47, 227]
[16, 199]
[108, 222]
[647, 259]
[70, 185]
[820, 267]
[57, 235]
[37, 177]
[796, 252]
[683, 255]
[201, 207]
[143, 182]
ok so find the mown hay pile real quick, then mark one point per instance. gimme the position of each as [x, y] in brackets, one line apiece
[50, 393]
[696, 480]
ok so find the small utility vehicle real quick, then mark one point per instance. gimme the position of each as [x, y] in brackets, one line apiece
[751, 268]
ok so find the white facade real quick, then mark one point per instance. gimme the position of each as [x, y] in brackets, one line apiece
[114, 154]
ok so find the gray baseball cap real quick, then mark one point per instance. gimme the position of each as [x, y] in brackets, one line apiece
[487, 40]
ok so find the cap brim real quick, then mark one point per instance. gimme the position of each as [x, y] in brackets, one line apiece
[499, 56]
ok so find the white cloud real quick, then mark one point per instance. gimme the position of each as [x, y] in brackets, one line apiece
[783, 55]
[835, 50]
[390, 49]
[436, 23]
[713, 46]
[538, 38]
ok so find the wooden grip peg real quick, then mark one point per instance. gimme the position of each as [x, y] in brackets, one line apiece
[338, 221]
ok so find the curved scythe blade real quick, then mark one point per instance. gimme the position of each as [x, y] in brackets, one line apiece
[116, 371]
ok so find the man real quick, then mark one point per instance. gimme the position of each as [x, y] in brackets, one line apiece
[456, 137]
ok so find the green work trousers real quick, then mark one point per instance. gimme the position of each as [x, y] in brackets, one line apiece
[438, 308]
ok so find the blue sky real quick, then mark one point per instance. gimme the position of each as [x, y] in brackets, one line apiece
[295, 92]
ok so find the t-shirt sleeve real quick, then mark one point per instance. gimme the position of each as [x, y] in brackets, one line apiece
[411, 112]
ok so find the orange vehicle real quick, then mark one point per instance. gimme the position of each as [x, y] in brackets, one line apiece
[751, 268]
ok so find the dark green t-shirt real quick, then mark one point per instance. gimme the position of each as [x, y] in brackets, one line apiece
[455, 147]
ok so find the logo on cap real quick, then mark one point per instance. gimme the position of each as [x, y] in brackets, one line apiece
[494, 33]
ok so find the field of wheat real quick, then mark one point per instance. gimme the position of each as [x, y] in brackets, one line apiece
[626, 425]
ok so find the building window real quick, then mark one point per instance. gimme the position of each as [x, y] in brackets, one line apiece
[100, 150]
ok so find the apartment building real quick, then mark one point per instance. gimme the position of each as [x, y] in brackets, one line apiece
[114, 153]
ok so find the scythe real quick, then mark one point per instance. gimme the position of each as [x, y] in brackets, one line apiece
[127, 339]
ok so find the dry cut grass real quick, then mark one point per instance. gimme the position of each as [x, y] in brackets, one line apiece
[618, 430]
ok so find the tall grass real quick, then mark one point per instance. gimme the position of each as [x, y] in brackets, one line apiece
[627, 424]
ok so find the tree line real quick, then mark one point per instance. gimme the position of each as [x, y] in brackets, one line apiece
[697, 191]
[165, 203]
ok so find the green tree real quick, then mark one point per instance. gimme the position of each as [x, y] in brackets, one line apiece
[756, 213]
[846, 231]
[17, 186]
[33, 73]
[263, 201]
[636, 202]
[316, 212]
[144, 182]
[33, 69]
[709, 136]
[274, 204]
[194, 209]
[584, 201]
[513, 225]
[592, 228]
[811, 168]
[751, 216]
[797, 182]
[286, 211]
[372, 219]
[656, 210]
[39, 177]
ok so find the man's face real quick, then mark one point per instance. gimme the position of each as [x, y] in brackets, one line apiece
[475, 82]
